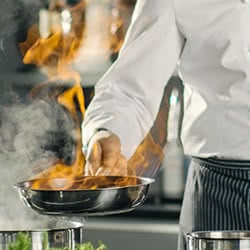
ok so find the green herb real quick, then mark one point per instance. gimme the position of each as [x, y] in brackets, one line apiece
[45, 241]
[89, 246]
[101, 246]
[85, 246]
[23, 242]
[65, 248]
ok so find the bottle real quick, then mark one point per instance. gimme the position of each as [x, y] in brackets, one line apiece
[172, 176]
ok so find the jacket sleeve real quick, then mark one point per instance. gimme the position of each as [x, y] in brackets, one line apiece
[128, 96]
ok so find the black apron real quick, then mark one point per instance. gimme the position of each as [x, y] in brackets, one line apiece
[217, 197]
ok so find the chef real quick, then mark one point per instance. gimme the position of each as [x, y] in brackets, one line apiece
[209, 42]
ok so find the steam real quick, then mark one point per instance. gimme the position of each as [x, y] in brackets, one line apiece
[27, 130]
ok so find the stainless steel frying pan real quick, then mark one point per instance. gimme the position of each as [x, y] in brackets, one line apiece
[102, 200]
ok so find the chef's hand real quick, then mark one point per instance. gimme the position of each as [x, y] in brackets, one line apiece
[104, 156]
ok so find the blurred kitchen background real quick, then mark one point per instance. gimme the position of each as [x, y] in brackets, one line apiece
[154, 225]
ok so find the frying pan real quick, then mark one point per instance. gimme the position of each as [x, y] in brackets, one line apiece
[104, 199]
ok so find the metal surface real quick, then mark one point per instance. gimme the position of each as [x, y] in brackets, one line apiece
[100, 201]
[218, 240]
[67, 237]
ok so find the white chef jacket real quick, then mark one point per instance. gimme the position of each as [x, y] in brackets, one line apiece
[209, 40]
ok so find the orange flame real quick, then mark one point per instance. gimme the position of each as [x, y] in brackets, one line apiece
[54, 53]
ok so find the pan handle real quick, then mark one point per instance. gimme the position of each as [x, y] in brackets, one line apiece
[24, 197]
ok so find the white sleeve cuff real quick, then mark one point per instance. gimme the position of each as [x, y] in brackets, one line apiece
[97, 135]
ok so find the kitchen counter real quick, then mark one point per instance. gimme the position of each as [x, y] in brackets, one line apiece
[125, 233]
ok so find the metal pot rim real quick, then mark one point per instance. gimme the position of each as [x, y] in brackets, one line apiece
[219, 235]
[66, 226]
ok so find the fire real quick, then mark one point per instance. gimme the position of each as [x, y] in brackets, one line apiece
[149, 155]
[52, 48]
[52, 45]
[147, 158]
[83, 182]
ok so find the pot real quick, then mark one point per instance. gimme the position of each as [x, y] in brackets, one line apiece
[218, 240]
[67, 237]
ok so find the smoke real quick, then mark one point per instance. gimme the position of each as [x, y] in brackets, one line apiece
[33, 131]
[30, 133]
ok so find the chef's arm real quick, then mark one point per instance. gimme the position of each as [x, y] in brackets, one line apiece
[128, 96]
